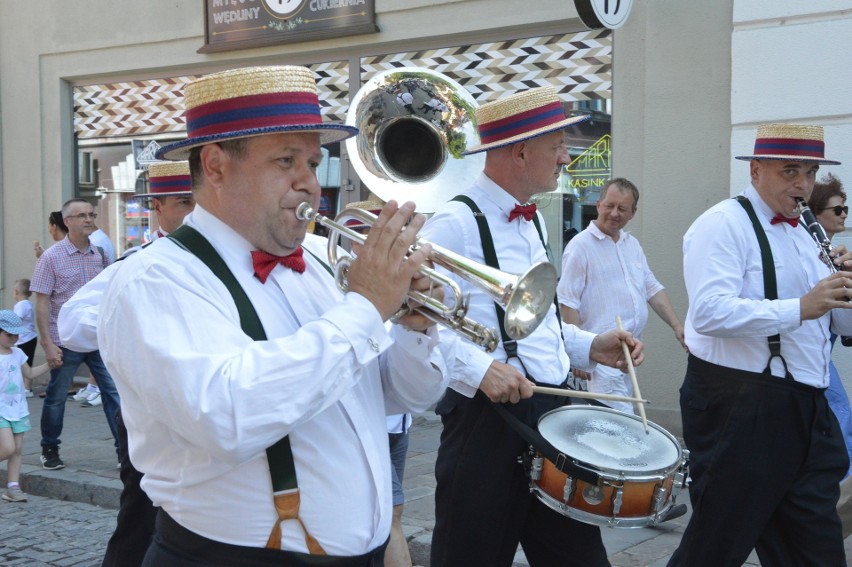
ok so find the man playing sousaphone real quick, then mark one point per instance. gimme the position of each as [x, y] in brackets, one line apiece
[483, 505]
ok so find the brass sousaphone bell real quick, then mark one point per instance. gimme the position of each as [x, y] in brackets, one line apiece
[413, 126]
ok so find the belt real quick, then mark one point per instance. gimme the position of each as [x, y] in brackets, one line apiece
[189, 544]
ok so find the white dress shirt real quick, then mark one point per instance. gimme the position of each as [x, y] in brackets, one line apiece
[729, 319]
[518, 247]
[603, 278]
[202, 401]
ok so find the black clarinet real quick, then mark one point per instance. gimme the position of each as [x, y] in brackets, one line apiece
[819, 235]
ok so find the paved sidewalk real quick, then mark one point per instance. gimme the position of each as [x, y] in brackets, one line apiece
[90, 476]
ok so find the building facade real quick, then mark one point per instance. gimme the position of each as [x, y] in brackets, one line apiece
[673, 94]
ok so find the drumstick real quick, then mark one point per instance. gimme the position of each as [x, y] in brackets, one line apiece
[587, 395]
[632, 373]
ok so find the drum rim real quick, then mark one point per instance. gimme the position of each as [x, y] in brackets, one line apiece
[612, 473]
[598, 519]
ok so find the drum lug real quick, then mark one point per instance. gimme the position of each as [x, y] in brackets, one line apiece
[535, 468]
[617, 499]
[659, 499]
[681, 477]
[568, 491]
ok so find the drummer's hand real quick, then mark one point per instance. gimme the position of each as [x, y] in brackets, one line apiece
[503, 383]
[607, 349]
[581, 374]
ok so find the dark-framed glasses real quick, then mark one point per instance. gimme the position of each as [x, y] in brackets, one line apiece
[838, 209]
[84, 216]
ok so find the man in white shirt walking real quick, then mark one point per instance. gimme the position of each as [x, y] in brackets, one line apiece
[766, 452]
[605, 275]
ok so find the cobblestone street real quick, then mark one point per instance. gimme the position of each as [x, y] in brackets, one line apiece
[45, 531]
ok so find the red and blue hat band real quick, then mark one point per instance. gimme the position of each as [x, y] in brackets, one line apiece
[789, 146]
[170, 184]
[518, 124]
[253, 111]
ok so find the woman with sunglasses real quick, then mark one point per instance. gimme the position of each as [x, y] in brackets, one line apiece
[828, 202]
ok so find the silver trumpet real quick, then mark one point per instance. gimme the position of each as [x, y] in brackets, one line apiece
[526, 299]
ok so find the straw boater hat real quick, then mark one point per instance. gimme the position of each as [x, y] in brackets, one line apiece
[790, 142]
[168, 179]
[519, 117]
[371, 206]
[250, 102]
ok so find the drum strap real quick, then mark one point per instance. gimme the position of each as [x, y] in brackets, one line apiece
[561, 461]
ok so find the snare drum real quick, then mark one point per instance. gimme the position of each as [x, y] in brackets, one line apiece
[639, 474]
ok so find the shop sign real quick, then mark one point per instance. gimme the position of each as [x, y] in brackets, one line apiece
[597, 14]
[589, 171]
[240, 24]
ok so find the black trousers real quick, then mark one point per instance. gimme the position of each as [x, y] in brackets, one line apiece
[483, 505]
[176, 546]
[29, 348]
[766, 460]
[136, 514]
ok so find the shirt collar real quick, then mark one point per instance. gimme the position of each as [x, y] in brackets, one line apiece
[69, 247]
[499, 196]
[601, 235]
[757, 202]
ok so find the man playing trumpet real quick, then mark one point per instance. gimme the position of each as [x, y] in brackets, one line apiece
[254, 391]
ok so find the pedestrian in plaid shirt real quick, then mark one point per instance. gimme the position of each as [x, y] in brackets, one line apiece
[61, 270]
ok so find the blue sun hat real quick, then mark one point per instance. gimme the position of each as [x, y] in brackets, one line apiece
[11, 323]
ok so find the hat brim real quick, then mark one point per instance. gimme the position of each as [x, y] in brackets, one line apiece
[781, 157]
[527, 135]
[158, 195]
[329, 133]
[15, 330]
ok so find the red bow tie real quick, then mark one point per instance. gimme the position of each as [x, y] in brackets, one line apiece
[264, 262]
[526, 211]
[794, 222]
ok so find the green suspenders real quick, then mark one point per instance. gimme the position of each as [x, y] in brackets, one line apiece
[282, 469]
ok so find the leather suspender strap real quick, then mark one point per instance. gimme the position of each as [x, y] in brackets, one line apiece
[770, 284]
[282, 469]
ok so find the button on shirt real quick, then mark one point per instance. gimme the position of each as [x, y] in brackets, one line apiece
[60, 272]
[202, 401]
[518, 247]
[729, 319]
[603, 278]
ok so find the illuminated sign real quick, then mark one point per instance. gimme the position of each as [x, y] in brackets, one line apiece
[591, 169]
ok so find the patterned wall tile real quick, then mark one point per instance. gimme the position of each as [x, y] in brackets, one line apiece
[578, 64]
[156, 106]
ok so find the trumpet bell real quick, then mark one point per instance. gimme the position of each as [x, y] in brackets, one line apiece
[413, 126]
[528, 301]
